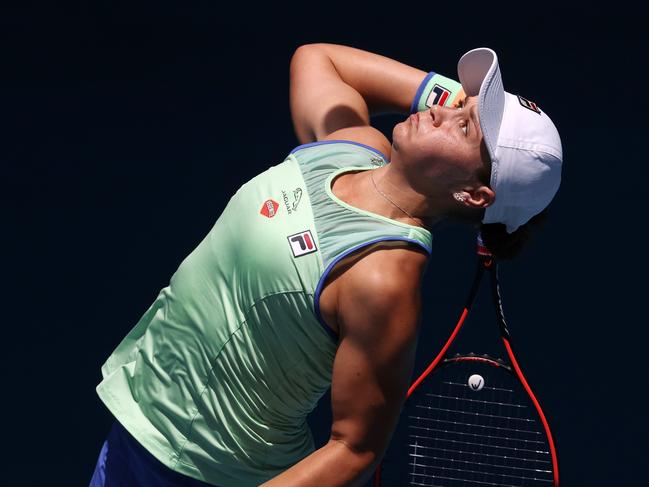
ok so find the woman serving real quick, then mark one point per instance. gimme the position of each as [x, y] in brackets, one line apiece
[310, 278]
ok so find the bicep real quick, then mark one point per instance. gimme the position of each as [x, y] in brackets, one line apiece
[373, 367]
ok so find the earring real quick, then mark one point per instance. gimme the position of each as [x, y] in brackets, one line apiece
[459, 197]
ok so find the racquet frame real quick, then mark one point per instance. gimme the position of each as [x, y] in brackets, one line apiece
[486, 262]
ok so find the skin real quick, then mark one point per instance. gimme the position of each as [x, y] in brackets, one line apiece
[433, 155]
[372, 298]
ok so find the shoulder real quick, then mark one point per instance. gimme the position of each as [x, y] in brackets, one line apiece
[389, 266]
[365, 135]
[381, 290]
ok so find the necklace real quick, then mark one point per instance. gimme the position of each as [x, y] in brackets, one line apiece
[386, 196]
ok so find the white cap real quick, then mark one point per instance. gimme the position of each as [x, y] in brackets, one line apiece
[522, 141]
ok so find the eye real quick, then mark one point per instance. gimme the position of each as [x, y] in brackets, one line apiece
[464, 126]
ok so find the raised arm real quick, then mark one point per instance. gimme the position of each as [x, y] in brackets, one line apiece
[378, 316]
[335, 89]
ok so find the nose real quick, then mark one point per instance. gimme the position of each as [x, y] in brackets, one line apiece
[442, 114]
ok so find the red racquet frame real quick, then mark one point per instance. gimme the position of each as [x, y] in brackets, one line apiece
[486, 262]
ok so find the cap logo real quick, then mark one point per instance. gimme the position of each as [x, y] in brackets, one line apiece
[530, 105]
[437, 96]
[302, 243]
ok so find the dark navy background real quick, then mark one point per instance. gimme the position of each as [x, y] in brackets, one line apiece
[127, 126]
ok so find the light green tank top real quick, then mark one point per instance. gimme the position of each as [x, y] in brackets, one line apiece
[217, 377]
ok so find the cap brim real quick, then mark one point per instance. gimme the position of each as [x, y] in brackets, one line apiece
[480, 76]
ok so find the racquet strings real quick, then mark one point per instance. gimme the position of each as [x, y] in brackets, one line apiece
[456, 436]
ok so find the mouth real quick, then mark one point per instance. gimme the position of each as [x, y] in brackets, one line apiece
[414, 119]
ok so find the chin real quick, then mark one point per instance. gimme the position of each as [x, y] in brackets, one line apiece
[398, 131]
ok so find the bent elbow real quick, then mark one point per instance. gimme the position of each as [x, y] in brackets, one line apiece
[364, 455]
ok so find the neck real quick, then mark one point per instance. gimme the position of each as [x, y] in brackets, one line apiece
[392, 179]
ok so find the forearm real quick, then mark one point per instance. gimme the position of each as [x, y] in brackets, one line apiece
[385, 84]
[333, 465]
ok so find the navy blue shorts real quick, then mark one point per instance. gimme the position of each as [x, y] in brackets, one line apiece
[123, 462]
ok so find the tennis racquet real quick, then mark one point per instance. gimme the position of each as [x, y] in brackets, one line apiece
[470, 419]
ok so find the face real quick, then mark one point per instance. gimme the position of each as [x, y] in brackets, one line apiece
[446, 142]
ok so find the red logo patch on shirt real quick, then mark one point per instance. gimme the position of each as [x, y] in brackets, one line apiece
[269, 208]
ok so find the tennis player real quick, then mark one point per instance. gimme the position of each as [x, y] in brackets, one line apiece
[310, 278]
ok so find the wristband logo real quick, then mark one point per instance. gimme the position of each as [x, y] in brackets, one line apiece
[269, 208]
[438, 96]
[302, 243]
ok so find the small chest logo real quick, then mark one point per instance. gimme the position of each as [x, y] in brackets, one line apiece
[269, 208]
[438, 96]
[376, 161]
[297, 196]
[302, 243]
[530, 105]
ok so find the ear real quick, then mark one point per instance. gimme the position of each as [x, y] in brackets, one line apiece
[480, 197]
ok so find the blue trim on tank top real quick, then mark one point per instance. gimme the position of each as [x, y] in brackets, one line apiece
[323, 278]
[323, 142]
[420, 90]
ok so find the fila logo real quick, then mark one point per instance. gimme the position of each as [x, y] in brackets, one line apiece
[302, 243]
[438, 96]
[530, 105]
[269, 208]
